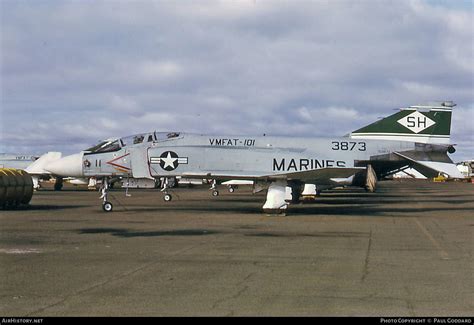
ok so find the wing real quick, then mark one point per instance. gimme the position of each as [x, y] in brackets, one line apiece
[314, 176]
[320, 176]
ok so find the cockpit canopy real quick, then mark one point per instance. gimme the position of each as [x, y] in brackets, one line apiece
[137, 139]
[105, 146]
[111, 145]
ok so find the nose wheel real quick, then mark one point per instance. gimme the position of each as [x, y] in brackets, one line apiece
[167, 197]
[107, 206]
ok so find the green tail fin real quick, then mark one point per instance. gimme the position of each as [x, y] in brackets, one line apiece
[423, 123]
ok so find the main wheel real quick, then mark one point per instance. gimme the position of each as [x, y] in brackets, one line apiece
[231, 189]
[107, 206]
[215, 193]
[167, 197]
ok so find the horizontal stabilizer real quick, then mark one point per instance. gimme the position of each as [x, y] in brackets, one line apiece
[433, 168]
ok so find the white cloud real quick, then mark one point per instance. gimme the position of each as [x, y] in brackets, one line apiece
[280, 67]
[123, 104]
[153, 71]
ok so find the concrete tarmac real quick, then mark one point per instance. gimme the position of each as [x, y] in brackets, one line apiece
[406, 250]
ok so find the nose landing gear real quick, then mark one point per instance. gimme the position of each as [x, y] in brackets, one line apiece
[106, 205]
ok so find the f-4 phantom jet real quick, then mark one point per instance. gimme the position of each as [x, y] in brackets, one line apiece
[416, 137]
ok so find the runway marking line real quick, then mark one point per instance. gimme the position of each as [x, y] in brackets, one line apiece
[20, 251]
[444, 255]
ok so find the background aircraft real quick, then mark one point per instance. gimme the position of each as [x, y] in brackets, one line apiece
[416, 136]
[34, 165]
[17, 161]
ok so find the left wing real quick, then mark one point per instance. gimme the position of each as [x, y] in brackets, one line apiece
[320, 176]
[315, 176]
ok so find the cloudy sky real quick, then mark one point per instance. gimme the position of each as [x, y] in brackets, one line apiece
[75, 72]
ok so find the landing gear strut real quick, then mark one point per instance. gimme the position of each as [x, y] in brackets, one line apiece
[106, 205]
[58, 185]
[213, 188]
[296, 191]
[164, 188]
[371, 179]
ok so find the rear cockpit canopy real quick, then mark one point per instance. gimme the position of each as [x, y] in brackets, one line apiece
[148, 137]
[137, 139]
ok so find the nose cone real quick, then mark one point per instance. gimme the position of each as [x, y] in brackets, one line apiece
[69, 166]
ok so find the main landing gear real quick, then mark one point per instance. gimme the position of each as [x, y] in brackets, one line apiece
[213, 188]
[58, 185]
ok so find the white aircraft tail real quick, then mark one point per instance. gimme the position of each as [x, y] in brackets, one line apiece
[37, 167]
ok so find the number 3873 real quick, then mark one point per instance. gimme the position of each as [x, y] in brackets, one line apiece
[348, 146]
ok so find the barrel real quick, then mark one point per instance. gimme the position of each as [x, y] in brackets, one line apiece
[16, 187]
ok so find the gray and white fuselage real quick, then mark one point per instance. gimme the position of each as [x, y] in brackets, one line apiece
[232, 157]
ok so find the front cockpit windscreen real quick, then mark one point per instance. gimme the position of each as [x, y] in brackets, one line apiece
[105, 146]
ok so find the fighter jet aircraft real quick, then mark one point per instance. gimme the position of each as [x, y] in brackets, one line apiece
[416, 136]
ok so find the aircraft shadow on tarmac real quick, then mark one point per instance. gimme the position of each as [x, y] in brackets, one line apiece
[360, 211]
[328, 234]
[120, 232]
[126, 233]
[36, 207]
[340, 204]
[358, 208]
[389, 198]
[383, 201]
